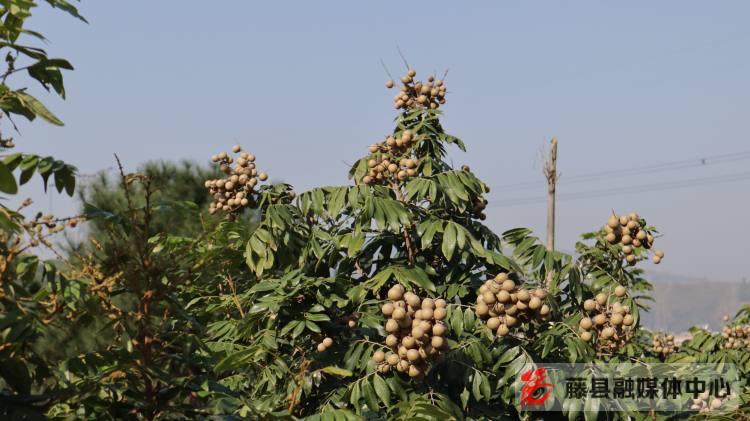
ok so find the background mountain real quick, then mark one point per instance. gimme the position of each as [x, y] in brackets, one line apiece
[685, 301]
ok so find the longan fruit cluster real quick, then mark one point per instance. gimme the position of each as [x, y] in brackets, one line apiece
[736, 337]
[325, 344]
[480, 204]
[48, 222]
[235, 191]
[503, 305]
[416, 333]
[705, 402]
[663, 344]
[351, 320]
[629, 231]
[608, 317]
[417, 94]
[385, 168]
[395, 144]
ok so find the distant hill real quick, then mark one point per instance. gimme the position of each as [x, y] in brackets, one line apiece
[682, 302]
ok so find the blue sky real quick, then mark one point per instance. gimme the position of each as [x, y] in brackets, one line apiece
[621, 84]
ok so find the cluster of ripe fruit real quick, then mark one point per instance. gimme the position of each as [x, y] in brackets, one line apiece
[629, 231]
[416, 333]
[53, 225]
[736, 337]
[479, 205]
[705, 402]
[325, 344]
[504, 305]
[663, 344]
[414, 94]
[235, 191]
[383, 168]
[608, 317]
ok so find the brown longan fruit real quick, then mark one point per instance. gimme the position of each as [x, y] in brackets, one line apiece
[391, 326]
[412, 355]
[493, 323]
[409, 342]
[503, 330]
[585, 336]
[585, 323]
[600, 319]
[378, 356]
[611, 238]
[626, 239]
[508, 285]
[601, 298]
[620, 291]
[439, 329]
[544, 310]
[263, 176]
[393, 359]
[631, 259]
[510, 320]
[389, 84]
[624, 220]
[327, 342]
[440, 303]
[398, 313]
[511, 310]
[627, 249]
[321, 347]
[659, 254]
[427, 313]
[437, 342]
[415, 371]
[641, 235]
[482, 310]
[440, 313]
[523, 295]
[395, 293]
[501, 277]
[589, 305]
[522, 306]
[628, 320]
[391, 341]
[489, 297]
[535, 303]
[387, 309]
[503, 296]
[411, 73]
[656, 260]
[236, 148]
[608, 332]
[367, 179]
[617, 319]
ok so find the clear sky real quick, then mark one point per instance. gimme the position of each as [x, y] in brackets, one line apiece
[621, 84]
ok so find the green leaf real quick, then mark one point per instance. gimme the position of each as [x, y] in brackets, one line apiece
[449, 240]
[382, 390]
[336, 371]
[38, 108]
[7, 181]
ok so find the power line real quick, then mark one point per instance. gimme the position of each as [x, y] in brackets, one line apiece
[700, 181]
[637, 170]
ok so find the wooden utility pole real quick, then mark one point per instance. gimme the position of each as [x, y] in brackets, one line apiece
[550, 171]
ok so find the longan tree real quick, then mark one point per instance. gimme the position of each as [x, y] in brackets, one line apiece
[34, 293]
